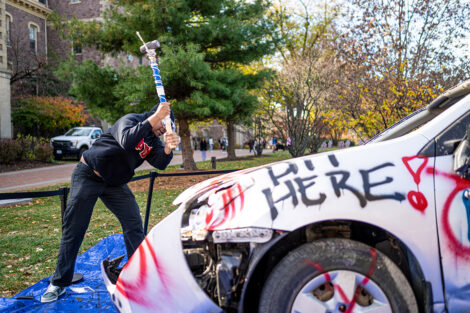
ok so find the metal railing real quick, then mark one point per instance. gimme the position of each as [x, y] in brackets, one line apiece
[63, 192]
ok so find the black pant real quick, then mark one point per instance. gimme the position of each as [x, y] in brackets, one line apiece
[85, 189]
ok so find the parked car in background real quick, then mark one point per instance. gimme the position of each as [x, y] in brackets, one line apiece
[75, 141]
[381, 227]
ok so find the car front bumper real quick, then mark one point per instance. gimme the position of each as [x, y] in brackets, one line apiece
[65, 151]
[157, 277]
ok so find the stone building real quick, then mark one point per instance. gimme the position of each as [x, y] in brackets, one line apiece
[5, 119]
[26, 40]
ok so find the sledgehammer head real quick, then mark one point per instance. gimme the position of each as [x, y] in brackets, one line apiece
[151, 45]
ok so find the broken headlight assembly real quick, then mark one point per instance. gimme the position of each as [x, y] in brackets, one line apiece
[216, 250]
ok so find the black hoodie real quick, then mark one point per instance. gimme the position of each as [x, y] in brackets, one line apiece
[124, 147]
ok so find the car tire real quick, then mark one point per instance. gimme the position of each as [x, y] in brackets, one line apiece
[319, 276]
[80, 152]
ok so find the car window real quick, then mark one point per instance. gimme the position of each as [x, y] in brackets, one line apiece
[78, 132]
[404, 126]
[448, 140]
[96, 134]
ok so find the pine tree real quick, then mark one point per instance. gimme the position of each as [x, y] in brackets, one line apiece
[204, 44]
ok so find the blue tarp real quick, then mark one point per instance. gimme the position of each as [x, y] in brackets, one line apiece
[89, 295]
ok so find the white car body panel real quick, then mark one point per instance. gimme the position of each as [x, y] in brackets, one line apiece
[417, 199]
[157, 278]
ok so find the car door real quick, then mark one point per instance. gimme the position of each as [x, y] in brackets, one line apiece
[453, 217]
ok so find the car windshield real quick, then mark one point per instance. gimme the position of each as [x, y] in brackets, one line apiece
[405, 125]
[78, 132]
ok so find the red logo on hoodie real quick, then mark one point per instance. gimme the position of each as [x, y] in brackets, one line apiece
[143, 148]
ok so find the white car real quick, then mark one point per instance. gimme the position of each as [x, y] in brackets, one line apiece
[75, 141]
[382, 227]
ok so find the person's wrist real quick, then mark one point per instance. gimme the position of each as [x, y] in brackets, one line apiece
[167, 149]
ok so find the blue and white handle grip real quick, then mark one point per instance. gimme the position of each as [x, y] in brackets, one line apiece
[149, 48]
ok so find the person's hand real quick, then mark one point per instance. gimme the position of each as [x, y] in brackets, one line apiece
[171, 141]
[162, 111]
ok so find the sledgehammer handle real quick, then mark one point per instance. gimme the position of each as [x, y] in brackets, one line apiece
[158, 80]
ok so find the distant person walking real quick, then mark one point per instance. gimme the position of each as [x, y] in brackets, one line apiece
[203, 147]
[211, 144]
[251, 144]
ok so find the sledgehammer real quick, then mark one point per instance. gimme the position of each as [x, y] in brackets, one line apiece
[149, 48]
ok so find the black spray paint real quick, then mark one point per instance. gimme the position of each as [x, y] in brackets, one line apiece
[297, 186]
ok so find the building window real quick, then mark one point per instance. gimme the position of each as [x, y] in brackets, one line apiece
[33, 37]
[42, 1]
[74, 1]
[8, 30]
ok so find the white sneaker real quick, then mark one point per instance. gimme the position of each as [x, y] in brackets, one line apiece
[52, 293]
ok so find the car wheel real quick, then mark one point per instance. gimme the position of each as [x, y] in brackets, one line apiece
[336, 275]
[80, 152]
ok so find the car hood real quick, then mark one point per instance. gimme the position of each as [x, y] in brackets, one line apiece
[69, 138]
[357, 183]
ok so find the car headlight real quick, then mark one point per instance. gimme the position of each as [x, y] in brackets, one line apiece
[76, 143]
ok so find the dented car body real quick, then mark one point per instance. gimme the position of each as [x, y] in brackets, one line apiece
[382, 227]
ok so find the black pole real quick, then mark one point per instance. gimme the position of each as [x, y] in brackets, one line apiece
[214, 166]
[153, 175]
[63, 201]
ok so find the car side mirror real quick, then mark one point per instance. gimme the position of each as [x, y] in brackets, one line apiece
[461, 157]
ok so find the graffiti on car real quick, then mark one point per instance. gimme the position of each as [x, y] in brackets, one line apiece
[416, 198]
[224, 206]
[350, 303]
[136, 290]
[460, 184]
[338, 181]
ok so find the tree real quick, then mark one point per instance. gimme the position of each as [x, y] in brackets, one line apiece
[46, 116]
[296, 100]
[244, 103]
[396, 56]
[94, 86]
[32, 73]
[203, 45]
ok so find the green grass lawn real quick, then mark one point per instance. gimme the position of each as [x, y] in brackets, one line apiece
[30, 233]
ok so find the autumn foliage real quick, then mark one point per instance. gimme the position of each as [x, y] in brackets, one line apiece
[46, 116]
[377, 102]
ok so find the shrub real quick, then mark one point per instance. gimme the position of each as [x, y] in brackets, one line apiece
[27, 143]
[25, 147]
[43, 152]
[10, 151]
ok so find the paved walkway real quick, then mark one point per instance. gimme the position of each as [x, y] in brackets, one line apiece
[44, 176]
